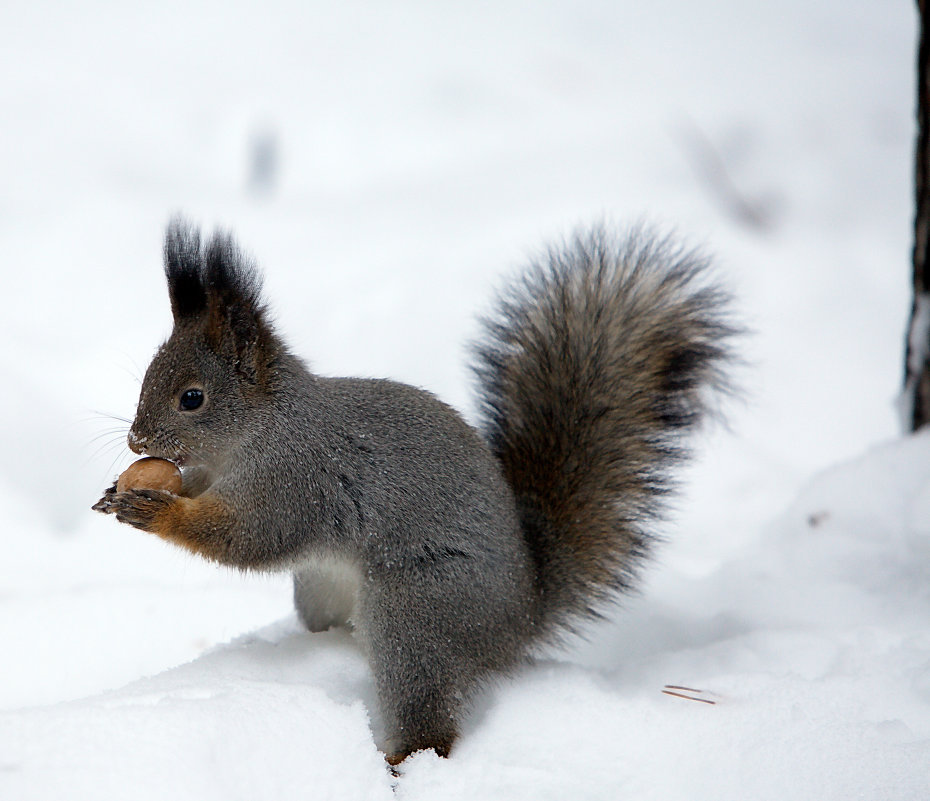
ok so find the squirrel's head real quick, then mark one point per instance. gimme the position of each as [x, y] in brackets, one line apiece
[218, 368]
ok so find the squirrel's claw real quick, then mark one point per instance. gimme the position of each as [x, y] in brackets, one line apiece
[138, 507]
[103, 505]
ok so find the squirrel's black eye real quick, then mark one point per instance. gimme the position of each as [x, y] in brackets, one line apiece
[191, 399]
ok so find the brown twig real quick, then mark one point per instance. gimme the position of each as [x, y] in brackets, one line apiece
[670, 689]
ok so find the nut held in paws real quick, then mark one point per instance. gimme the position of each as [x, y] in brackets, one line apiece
[151, 473]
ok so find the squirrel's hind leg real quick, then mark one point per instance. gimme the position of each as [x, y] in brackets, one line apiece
[424, 674]
[420, 711]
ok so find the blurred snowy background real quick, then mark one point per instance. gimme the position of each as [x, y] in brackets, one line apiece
[387, 164]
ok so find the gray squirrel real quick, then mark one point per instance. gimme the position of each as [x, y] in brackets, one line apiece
[453, 553]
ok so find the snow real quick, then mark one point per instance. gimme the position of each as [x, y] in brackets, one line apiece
[388, 165]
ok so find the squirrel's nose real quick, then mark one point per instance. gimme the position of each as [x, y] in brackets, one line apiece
[136, 443]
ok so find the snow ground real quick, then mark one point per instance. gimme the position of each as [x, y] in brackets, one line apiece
[424, 150]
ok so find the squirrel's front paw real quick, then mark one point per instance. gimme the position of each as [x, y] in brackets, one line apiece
[138, 507]
[103, 505]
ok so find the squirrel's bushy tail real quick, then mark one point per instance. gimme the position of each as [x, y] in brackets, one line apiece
[591, 370]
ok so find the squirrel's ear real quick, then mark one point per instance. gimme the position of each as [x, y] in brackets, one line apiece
[235, 313]
[218, 289]
[184, 270]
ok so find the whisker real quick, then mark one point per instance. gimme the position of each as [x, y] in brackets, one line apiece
[139, 372]
[108, 416]
[112, 468]
[110, 432]
[134, 375]
[102, 449]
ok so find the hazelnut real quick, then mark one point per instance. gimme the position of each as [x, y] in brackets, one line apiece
[151, 473]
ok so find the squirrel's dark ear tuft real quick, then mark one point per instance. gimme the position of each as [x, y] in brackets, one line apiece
[184, 270]
[217, 289]
[208, 279]
[230, 278]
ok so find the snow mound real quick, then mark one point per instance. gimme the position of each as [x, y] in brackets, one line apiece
[812, 644]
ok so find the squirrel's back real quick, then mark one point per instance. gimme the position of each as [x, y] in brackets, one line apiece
[592, 368]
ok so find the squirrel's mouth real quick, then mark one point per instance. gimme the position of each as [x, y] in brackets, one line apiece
[156, 447]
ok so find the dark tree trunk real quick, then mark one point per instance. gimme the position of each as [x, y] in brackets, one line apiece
[917, 359]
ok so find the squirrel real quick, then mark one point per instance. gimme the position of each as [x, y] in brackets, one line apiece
[453, 552]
